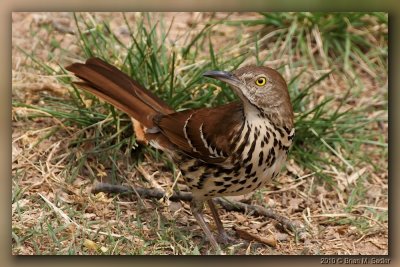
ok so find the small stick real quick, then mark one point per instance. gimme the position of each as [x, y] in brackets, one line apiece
[256, 210]
[143, 192]
[228, 205]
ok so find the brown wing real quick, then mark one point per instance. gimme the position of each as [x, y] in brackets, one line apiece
[203, 133]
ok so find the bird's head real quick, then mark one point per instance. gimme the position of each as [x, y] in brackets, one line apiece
[261, 89]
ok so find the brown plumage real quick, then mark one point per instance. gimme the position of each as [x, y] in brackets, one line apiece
[227, 150]
[182, 126]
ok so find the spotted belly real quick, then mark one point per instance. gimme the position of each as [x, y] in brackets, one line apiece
[257, 159]
[209, 180]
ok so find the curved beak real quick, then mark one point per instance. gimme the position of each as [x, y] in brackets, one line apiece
[224, 76]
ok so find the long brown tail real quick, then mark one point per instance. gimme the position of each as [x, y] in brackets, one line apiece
[118, 89]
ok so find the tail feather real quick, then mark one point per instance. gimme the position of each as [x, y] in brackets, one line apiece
[117, 88]
[137, 89]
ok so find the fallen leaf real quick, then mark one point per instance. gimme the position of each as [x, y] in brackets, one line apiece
[89, 244]
[242, 233]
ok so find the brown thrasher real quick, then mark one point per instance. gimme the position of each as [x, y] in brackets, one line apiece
[223, 151]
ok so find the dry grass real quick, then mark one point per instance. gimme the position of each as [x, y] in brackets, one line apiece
[54, 166]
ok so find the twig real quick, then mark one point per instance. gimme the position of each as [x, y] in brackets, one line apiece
[228, 205]
[258, 211]
[143, 192]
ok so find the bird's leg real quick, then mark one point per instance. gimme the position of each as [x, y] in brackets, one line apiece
[223, 237]
[197, 210]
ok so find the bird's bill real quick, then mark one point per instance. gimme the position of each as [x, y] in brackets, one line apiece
[224, 76]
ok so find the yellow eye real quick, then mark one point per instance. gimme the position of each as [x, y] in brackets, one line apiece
[261, 81]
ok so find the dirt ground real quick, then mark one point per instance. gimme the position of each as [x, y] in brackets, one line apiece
[43, 184]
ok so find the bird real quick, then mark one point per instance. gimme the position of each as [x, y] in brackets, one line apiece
[228, 150]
